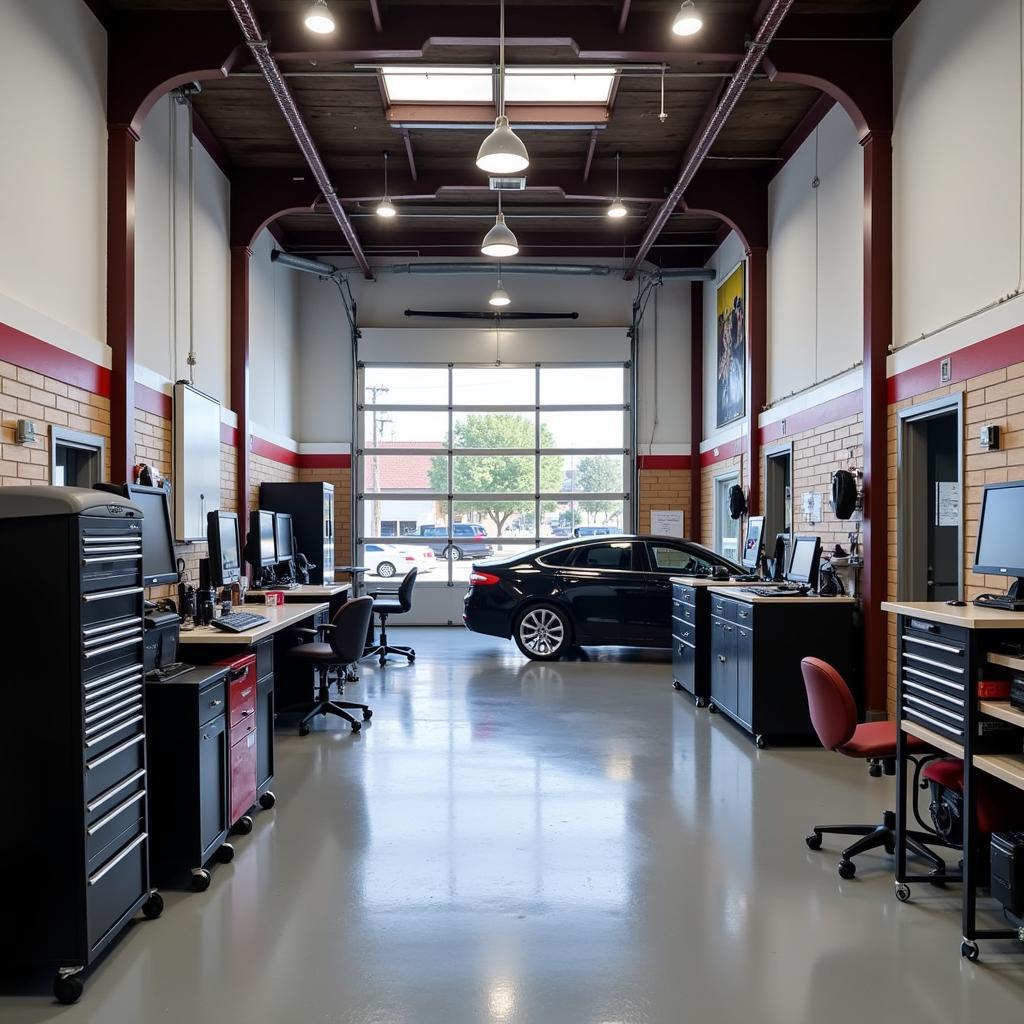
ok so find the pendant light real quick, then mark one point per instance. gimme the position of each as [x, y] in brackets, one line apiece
[319, 18]
[499, 297]
[617, 210]
[688, 21]
[385, 208]
[502, 152]
[499, 241]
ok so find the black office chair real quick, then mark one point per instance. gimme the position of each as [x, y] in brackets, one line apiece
[392, 604]
[346, 636]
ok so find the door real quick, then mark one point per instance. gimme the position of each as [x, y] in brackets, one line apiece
[723, 663]
[665, 560]
[604, 588]
[778, 497]
[328, 568]
[727, 530]
[929, 543]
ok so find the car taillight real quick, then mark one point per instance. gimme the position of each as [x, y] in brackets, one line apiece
[410, 558]
[478, 578]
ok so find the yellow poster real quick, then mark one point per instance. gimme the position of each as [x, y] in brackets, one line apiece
[732, 346]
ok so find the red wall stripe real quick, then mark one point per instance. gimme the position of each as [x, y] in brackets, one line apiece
[159, 403]
[663, 461]
[336, 460]
[816, 416]
[726, 450]
[34, 354]
[228, 434]
[268, 450]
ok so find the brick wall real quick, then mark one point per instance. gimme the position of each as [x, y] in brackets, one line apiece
[25, 394]
[662, 490]
[341, 477]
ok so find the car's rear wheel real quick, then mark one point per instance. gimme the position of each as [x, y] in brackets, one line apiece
[456, 554]
[385, 570]
[543, 632]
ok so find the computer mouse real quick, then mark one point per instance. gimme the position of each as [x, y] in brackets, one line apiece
[957, 604]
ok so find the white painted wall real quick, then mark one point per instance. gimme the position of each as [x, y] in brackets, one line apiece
[815, 260]
[53, 72]
[726, 256]
[957, 172]
[274, 348]
[162, 279]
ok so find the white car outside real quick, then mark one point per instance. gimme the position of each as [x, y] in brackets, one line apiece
[387, 560]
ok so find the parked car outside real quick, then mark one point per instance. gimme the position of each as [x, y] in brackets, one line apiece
[387, 560]
[469, 540]
[596, 531]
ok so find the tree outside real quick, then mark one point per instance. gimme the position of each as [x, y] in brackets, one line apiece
[597, 474]
[501, 474]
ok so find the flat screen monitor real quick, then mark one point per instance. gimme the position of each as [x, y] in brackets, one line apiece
[803, 566]
[1000, 550]
[225, 556]
[158, 562]
[753, 547]
[284, 536]
[262, 550]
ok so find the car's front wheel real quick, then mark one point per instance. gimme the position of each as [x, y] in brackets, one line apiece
[543, 633]
[385, 570]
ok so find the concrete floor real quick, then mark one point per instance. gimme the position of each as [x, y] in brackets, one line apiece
[544, 844]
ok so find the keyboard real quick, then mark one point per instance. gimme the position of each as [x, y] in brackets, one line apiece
[239, 622]
[776, 591]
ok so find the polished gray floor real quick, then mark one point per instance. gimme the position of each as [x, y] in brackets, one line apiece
[544, 844]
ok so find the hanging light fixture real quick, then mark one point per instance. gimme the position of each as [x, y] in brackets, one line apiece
[502, 152]
[688, 21]
[319, 18]
[499, 297]
[617, 210]
[385, 208]
[499, 242]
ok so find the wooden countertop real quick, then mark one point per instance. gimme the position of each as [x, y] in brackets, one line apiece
[741, 595]
[303, 591]
[968, 617]
[943, 743]
[280, 617]
[706, 581]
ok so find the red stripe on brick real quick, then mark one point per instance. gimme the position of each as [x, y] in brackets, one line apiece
[726, 450]
[663, 461]
[159, 403]
[338, 460]
[995, 353]
[268, 450]
[34, 354]
[817, 415]
[228, 434]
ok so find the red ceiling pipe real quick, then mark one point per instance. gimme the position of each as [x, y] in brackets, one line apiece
[755, 51]
[272, 73]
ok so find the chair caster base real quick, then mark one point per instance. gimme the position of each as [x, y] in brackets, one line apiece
[847, 869]
[68, 986]
[969, 950]
[153, 907]
[200, 880]
[813, 841]
[267, 800]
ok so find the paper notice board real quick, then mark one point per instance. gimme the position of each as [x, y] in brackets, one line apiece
[667, 523]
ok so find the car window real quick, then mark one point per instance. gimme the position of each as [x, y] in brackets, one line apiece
[667, 558]
[605, 556]
[562, 557]
[374, 547]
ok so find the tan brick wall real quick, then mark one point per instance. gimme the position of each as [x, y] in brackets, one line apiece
[263, 470]
[707, 493]
[662, 490]
[342, 480]
[25, 394]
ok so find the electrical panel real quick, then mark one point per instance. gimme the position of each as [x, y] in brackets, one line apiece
[196, 461]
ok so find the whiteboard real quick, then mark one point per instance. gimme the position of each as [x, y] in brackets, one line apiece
[196, 461]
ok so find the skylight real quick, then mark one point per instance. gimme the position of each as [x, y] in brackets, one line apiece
[413, 84]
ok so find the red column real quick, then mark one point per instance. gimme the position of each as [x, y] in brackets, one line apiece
[877, 339]
[757, 359]
[121, 141]
[696, 401]
[240, 257]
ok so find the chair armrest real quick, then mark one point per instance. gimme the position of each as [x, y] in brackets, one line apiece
[307, 631]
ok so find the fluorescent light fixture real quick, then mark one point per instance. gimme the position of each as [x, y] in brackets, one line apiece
[559, 85]
[499, 242]
[688, 21]
[502, 152]
[414, 84]
[319, 18]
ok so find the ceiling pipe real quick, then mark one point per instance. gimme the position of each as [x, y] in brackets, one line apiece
[751, 59]
[286, 259]
[553, 269]
[246, 18]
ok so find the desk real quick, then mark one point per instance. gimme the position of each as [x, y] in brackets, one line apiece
[691, 634]
[756, 646]
[335, 594]
[942, 652]
[280, 617]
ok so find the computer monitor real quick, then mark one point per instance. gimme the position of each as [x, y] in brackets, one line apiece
[284, 536]
[262, 549]
[158, 562]
[225, 556]
[1000, 550]
[803, 566]
[753, 547]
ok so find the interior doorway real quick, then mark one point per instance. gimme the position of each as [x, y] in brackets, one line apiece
[930, 524]
[778, 495]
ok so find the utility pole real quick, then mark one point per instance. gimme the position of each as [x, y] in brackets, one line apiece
[378, 422]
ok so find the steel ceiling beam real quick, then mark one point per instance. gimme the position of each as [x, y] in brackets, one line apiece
[706, 139]
[246, 18]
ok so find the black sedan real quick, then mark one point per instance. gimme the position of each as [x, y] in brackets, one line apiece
[596, 592]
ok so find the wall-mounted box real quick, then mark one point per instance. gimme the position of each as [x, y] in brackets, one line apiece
[196, 461]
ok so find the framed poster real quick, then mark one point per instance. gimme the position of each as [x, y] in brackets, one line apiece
[731, 322]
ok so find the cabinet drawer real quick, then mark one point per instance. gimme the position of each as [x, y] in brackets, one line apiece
[684, 632]
[943, 646]
[683, 663]
[212, 702]
[109, 768]
[685, 612]
[127, 811]
[724, 608]
[107, 800]
[684, 594]
[115, 883]
[110, 605]
[243, 775]
[241, 688]
[243, 728]
[744, 613]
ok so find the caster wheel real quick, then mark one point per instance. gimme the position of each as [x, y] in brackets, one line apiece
[267, 800]
[676, 685]
[713, 709]
[367, 714]
[153, 907]
[411, 657]
[701, 702]
[847, 869]
[356, 726]
[383, 662]
[303, 730]
[903, 892]
[937, 882]
[225, 853]
[969, 951]
[68, 988]
[759, 741]
[200, 880]
[813, 841]
[244, 825]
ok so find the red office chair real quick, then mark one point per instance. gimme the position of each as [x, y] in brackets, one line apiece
[834, 717]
